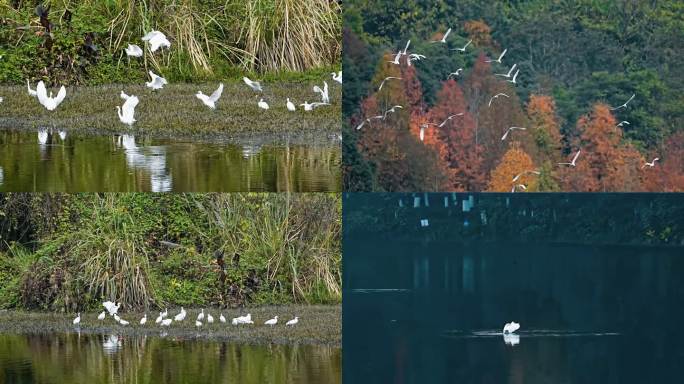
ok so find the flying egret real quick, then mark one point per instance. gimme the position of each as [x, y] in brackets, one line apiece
[443, 40]
[574, 159]
[222, 318]
[255, 85]
[499, 59]
[495, 97]
[521, 186]
[262, 104]
[337, 76]
[651, 164]
[324, 92]
[415, 57]
[49, 102]
[510, 327]
[31, 92]
[210, 101]
[622, 123]
[272, 322]
[200, 317]
[210, 318]
[134, 51]
[510, 71]
[166, 322]
[443, 123]
[509, 131]
[454, 74]
[156, 82]
[625, 104]
[524, 173]
[156, 40]
[180, 316]
[396, 59]
[293, 321]
[423, 128]
[391, 110]
[515, 77]
[387, 78]
[290, 106]
[311, 106]
[101, 316]
[77, 320]
[127, 111]
[143, 320]
[368, 120]
[464, 47]
[405, 48]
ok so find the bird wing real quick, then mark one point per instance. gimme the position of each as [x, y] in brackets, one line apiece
[317, 89]
[217, 93]
[150, 35]
[505, 135]
[128, 108]
[576, 156]
[60, 95]
[446, 34]
[41, 92]
[502, 54]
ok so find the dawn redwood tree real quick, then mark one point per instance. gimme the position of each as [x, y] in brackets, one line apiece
[544, 126]
[514, 162]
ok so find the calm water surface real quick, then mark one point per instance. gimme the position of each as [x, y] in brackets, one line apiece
[48, 161]
[95, 359]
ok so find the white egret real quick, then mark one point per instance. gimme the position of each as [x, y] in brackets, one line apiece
[143, 320]
[387, 78]
[337, 76]
[311, 106]
[454, 74]
[134, 51]
[210, 101]
[200, 317]
[165, 313]
[1, 99]
[509, 130]
[222, 318]
[42, 136]
[111, 307]
[368, 120]
[262, 104]
[524, 173]
[443, 123]
[396, 59]
[180, 316]
[290, 106]
[423, 128]
[499, 59]
[166, 322]
[391, 110]
[464, 47]
[198, 323]
[625, 104]
[255, 85]
[123, 322]
[324, 92]
[496, 97]
[574, 159]
[651, 164]
[124, 96]
[117, 318]
[156, 82]
[414, 57]
[272, 322]
[62, 135]
[521, 186]
[511, 339]
[49, 102]
[622, 123]
[77, 320]
[515, 77]
[156, 40]
[510, 327]
[443, 40]
[127, 112]
[159, 318]
[31, 92]
[510, 71]
[210, 318]
[293, 321]
[101, 316]
[406, 47]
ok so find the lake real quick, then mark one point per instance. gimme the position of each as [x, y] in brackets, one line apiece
[94, 358]
[54, 161]
[421, 307]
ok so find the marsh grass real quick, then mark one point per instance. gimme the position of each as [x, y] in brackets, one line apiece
[318, 324]
[176, 112]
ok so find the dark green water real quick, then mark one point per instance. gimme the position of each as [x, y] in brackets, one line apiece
[44, 162]
[95, 359]
[422, 308]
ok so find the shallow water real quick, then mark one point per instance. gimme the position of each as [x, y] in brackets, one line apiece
[47, 161]
[93, 359]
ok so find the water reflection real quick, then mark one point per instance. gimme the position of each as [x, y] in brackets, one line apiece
[95, 359]
[58, 161]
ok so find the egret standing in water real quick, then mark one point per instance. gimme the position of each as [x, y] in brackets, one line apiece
[255, 85]
[210, 101]
[127, 112]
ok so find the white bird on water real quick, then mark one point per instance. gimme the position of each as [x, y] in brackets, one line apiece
[443, 40]
[49, 102]
[574, 159]
[625, 104]
[180, 316]
[499, 59]
[495, 97]
[464, 47]
[77, 320]
[210, 101]
[272, 322]
[134, 50]
[31, 92]
[510, 327]
[157, 40]
[511, 129]
[651, 164]
[324, 92]
[387, 78]
[510, 71]
[156, 82]
[127, 111]
[255, 85]
[290, 106]
[262, 104]
[293, 321]
[101, 316]
[337, 76]
[143, 320]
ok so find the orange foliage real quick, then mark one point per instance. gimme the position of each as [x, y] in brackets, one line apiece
[514, 162]
[479, 31]
[544, 125]
[668, 174]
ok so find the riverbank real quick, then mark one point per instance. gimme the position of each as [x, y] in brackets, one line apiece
[175, 112]
[318, 324]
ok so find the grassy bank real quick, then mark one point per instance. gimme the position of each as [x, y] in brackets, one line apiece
[317, 325]
[176, 112]
[70, 252]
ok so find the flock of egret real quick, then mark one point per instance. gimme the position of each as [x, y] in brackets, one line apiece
[157, 40]
[511, 77]
[112, 309]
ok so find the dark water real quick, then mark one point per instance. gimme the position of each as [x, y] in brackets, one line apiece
[95, 359]
[431, 310]
[43, 161]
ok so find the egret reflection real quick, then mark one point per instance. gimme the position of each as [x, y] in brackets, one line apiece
[250, 151]
[112, 344]
[511, 339]
[151, 159]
